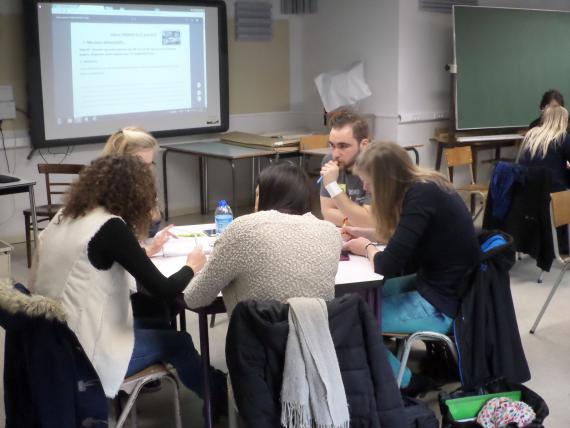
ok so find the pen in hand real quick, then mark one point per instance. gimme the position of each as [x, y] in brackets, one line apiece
[320, 179]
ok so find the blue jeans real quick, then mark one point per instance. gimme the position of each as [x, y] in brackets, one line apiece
[175, 347]
[404, 310]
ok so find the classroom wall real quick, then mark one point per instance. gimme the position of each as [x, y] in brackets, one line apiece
[424, 47]
[345, 32]
[404, 50]
[259, 114]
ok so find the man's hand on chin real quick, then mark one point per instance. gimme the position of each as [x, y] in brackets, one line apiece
[330, 172]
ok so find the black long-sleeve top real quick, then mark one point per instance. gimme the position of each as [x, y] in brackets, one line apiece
[436, 229]
[114, 242]
[557, 155]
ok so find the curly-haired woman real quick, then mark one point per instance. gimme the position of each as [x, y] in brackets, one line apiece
[87, 258]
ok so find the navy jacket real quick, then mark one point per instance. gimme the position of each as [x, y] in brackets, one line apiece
[48, 380]
[255, 351]
[528, 217]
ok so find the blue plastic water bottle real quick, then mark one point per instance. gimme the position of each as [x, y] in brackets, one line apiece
[223, 216]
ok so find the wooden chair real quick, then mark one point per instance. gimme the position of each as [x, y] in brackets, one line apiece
[319, 143]
[53, 188]
[559, 216]
[463, 156]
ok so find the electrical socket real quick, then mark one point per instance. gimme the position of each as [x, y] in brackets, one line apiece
[6, 93]
[7, 110]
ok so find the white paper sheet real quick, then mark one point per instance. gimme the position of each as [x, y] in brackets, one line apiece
[342, 88]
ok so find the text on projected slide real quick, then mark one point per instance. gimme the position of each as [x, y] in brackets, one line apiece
[106, 56]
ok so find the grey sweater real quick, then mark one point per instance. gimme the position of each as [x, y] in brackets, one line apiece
[269, 255]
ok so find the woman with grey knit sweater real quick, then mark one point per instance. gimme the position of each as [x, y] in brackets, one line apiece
[278, 252]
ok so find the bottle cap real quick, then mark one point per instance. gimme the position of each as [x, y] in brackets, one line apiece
[222, 203]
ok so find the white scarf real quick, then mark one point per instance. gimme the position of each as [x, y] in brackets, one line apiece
[313, 393]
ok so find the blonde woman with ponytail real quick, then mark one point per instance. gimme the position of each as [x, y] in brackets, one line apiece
[425, 224]
[548, 146]
[132, 141]
[136, 141]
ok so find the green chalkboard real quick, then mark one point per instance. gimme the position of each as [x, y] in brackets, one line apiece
[506, 59]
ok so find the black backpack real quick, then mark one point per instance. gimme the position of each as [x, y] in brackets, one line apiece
[418, 414]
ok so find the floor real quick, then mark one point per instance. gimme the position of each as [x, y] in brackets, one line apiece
[547, 351]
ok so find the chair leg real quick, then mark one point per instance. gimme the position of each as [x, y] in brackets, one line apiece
[233, 415]
[129, 405]
[423, 336]
[539, 279]
[28, 240]
[177, 415]
[213, 321]
[549, 298]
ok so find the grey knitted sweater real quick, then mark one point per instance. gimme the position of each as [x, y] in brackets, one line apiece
[269, 255]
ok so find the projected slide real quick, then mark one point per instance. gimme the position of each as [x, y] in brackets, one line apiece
[109, 64]
[118, 68]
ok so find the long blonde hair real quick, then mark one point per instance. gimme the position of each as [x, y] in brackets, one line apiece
[389, 167]
[129, 141]
[551, 131]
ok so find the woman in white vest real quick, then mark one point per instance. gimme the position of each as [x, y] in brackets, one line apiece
[88, 257]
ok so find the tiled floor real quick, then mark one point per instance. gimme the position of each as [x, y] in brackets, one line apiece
[547, 351]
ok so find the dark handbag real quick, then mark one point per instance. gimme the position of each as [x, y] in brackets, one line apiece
[494, 386]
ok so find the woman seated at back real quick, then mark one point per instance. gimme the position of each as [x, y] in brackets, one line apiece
[278, 252]
[87, 258]
[551, 98]
[422, 219]
[548, 146]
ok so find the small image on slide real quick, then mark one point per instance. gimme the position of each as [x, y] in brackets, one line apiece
[171, 37]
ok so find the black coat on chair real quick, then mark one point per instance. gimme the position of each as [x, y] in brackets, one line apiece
[486, 329]
[255, 351]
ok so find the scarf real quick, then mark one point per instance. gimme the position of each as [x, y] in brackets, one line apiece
[313, 393]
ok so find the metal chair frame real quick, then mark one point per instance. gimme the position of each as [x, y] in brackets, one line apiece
[559, 216]
[133, 385]
[424, 336]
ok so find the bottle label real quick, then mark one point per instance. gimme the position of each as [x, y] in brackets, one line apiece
[222, 221]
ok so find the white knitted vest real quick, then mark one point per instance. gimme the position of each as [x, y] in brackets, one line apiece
[96, 302]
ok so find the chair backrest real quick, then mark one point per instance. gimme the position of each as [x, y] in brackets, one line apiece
[314, 142]
[560, 208]
[459, 156]
[559, 216]
[57, 187]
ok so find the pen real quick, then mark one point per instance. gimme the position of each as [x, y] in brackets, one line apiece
[320, 179]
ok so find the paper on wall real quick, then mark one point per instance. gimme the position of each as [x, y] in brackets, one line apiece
[342, 88]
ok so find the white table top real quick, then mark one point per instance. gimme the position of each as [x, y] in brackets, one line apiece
[357, 270]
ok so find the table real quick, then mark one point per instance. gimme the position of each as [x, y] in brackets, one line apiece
[217, 150]
[354, 275]
[323, 151]
[477, 143]
[21, 186]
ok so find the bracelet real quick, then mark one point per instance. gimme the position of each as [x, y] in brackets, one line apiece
[366, 247]
[333, 189]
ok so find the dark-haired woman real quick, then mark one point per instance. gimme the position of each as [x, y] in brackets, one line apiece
[551, 98]
[278, 252]
[88, 258]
